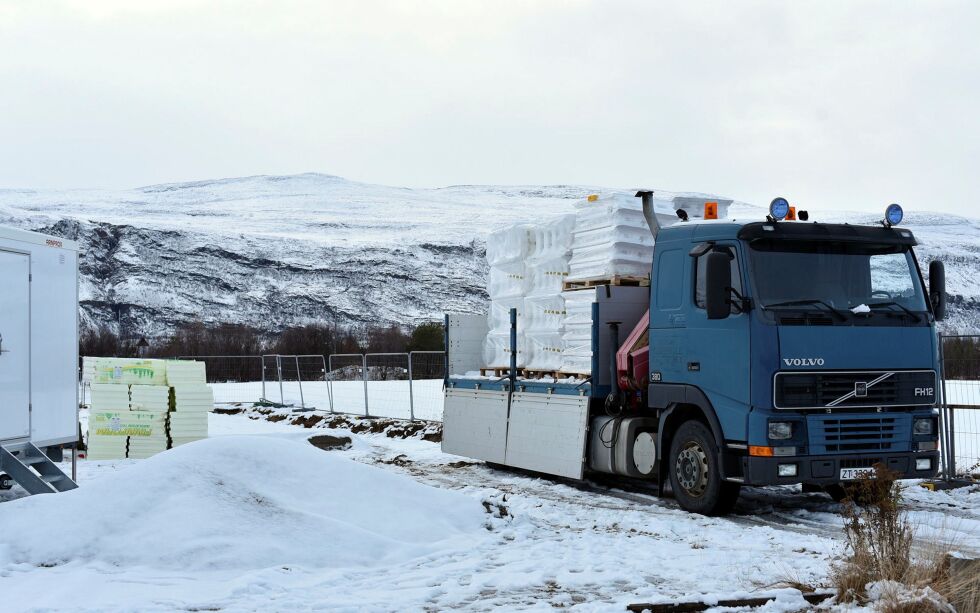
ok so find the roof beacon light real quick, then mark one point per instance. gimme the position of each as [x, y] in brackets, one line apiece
[893, 215]
[778, 209]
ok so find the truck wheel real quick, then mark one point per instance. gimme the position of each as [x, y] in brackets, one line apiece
[695, 474]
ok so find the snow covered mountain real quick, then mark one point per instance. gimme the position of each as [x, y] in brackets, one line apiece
[274, 251]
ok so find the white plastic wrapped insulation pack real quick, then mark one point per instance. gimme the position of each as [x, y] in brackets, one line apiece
[576, 356]
[165, 404]
[528, 265]
[611, 238]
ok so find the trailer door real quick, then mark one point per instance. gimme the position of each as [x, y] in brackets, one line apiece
[15, 345]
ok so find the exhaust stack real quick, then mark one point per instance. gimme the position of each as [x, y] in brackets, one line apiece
[648, 213]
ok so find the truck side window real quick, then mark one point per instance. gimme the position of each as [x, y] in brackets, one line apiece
[699, 276]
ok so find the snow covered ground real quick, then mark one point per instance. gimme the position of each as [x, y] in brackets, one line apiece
[257, 519]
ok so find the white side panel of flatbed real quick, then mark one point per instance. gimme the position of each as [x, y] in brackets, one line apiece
[547, 433]
[466, 333]
[474, 424]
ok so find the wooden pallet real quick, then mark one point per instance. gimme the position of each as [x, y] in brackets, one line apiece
[564, 374]
[615, 280]
[494, 372]
[539, 374]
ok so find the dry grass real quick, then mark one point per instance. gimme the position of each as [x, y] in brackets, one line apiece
[880, 566]
[878, 536]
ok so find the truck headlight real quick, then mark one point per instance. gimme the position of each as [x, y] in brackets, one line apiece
[780, 430]
[921, 427]
[787, 470]
[923, 464]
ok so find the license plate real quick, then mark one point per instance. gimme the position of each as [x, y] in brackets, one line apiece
[853, 474]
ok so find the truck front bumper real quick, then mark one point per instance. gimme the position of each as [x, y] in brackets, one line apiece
[826, 469]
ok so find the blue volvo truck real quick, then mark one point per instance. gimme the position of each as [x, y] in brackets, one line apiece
[766, 352]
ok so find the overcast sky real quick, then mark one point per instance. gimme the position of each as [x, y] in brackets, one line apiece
[831, 104]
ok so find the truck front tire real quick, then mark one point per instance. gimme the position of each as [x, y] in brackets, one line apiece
[695, 472]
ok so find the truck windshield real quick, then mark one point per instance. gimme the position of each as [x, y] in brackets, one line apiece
[837, 277]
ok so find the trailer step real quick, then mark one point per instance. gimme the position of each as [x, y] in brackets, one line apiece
[643, 281]
[33, 470]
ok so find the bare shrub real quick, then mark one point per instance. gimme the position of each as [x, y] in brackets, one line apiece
[878, 537]
[880, 565]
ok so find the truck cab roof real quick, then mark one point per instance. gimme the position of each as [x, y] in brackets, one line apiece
[730, 229]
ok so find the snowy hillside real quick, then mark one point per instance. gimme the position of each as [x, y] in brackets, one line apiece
[272, 251]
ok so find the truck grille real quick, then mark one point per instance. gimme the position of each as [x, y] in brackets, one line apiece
[818, 390]
[886, 432]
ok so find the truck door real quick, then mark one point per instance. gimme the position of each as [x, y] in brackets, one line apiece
[719, 348]
[15, 343]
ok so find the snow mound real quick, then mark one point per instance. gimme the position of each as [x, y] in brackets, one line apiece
[241, 502]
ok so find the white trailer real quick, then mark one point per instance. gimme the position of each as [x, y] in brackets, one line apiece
[38, 358]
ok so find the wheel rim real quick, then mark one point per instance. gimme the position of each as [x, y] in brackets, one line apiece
[691, 469]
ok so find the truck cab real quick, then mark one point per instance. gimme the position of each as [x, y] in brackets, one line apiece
[803, 353]
[766, 352]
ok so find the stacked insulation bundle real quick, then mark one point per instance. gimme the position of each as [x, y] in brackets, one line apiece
[142, 407]
[154, 402]
[129, 371]
[106, 436]
[118, 426]
[192, 400]
[544, 307]
[611, 239]
[88, 370]
[507, 252]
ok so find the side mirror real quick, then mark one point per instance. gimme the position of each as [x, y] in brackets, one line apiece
[937, 289]
[717, 284]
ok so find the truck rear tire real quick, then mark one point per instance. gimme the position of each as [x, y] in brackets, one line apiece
[695, 472]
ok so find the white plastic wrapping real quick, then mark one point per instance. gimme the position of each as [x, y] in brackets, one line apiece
[547, 276]
[528, 266]
[544, 314]
[499, 320]
[544, 351]
[508, 280]
[611, 238]
[609, 260]
[496, 350]
[552, 238]
[510, 244]
[576, 354]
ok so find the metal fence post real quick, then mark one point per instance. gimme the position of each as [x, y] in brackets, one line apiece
[367, 412]
[947, 459]
[282, 397]
[299, 380]
[948, 417]
[327, 375]
[264, 396]
[411, 392]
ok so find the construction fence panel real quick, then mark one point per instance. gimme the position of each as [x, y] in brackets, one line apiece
[427, 373]
[960, 408]
[346, 383]
[311, 371]
[388, 386]
[235, 378]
